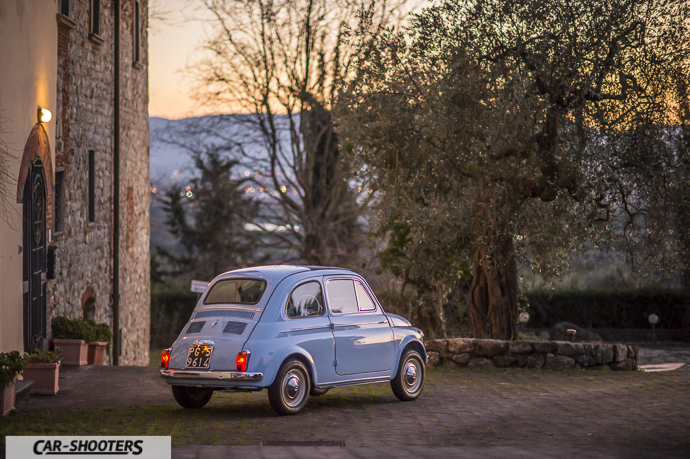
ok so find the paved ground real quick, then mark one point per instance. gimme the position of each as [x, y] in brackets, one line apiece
[666, 353]
[417, 452]
[462, 413]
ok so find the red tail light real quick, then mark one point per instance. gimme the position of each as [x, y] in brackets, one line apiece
[242, 359]
[165, 358]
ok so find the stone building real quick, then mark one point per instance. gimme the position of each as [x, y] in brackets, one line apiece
[91, 258]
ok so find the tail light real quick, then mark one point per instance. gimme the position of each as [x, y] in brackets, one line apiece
[165, 358]
[242, 360]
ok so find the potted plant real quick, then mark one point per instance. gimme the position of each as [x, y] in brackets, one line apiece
[43, 368]
[11, 364]
[99, 342]
[71, 336]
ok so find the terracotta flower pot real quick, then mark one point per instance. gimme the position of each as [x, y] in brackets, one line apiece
[96, 352]
[7, 397]
[45, 377]
[74, 351]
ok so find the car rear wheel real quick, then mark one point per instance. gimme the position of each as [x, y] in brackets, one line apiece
[192, 397]
[409, 380]
[290, 391]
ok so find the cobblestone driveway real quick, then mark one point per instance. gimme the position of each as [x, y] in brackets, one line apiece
[526, 408]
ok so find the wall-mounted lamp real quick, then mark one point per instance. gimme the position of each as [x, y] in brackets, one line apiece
[44, 115]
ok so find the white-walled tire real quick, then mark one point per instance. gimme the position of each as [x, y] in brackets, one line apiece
[290, 391]
[409, 380]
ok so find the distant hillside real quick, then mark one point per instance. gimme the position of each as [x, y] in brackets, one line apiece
[170, 159]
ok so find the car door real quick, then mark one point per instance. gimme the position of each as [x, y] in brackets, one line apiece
[364, 341]
[310, 327]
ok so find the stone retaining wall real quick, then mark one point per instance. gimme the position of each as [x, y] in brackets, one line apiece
[478, 353]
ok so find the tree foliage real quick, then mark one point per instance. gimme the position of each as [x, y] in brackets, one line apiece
[523, 128]
[208, 218]
[282, 63]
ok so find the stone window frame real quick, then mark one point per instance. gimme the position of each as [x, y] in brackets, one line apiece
[91, 188]
[136, 35]
[95, 22]
[65, 8]
[59, 199]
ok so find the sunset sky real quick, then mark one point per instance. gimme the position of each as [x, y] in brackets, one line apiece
[172, 44]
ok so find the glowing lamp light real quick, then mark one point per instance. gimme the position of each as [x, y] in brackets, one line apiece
[653, 319]
[165, 358]
[44, 115]
[242, 359]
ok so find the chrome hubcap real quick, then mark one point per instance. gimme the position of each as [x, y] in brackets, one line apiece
[410, 374]
[412, 381]
[292, 386]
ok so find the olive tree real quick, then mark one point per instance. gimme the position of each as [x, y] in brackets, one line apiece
[533, 126]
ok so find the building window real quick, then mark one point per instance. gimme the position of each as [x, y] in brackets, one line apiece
[95, 17]
[57, 195]
[64, 7]
[92, 186]
[136, 35]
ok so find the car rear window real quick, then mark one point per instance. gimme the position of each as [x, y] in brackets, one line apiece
[236, 291]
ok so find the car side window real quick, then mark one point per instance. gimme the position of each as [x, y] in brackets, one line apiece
[363, 299]
[341, 296]
[305, 301]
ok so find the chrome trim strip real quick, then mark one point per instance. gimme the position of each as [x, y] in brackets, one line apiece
[359, 324]
[215, 375]
[247, 308]
[326, 327]
[355, 382]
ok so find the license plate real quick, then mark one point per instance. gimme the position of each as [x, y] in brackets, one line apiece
[199, 356]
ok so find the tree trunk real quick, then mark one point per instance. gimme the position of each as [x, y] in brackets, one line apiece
[493, 293]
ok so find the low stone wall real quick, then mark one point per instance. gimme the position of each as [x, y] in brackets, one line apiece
[556, 355]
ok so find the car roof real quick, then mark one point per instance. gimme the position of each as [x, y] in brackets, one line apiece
[276, 273]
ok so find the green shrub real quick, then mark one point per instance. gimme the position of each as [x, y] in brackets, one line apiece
[609, 309]
[64, 328]
[88, 330]
[44, 356]
[11, 364]
[171, 308]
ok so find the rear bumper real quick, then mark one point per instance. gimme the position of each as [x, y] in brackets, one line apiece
[172, 376]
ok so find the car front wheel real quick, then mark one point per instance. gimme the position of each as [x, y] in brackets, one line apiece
[290, 391]
[409, 380]
[191, 397]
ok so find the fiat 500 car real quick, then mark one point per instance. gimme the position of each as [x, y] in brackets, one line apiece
[295, 331]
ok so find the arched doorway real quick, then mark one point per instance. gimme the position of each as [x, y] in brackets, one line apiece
[34, 183]
[34, 204]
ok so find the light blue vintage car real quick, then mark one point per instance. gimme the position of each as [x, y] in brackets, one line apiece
[296, 331]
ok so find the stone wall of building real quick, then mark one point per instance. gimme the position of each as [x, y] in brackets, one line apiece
[84, 122]
[84, 276]
[135, 294]
[555, 355]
